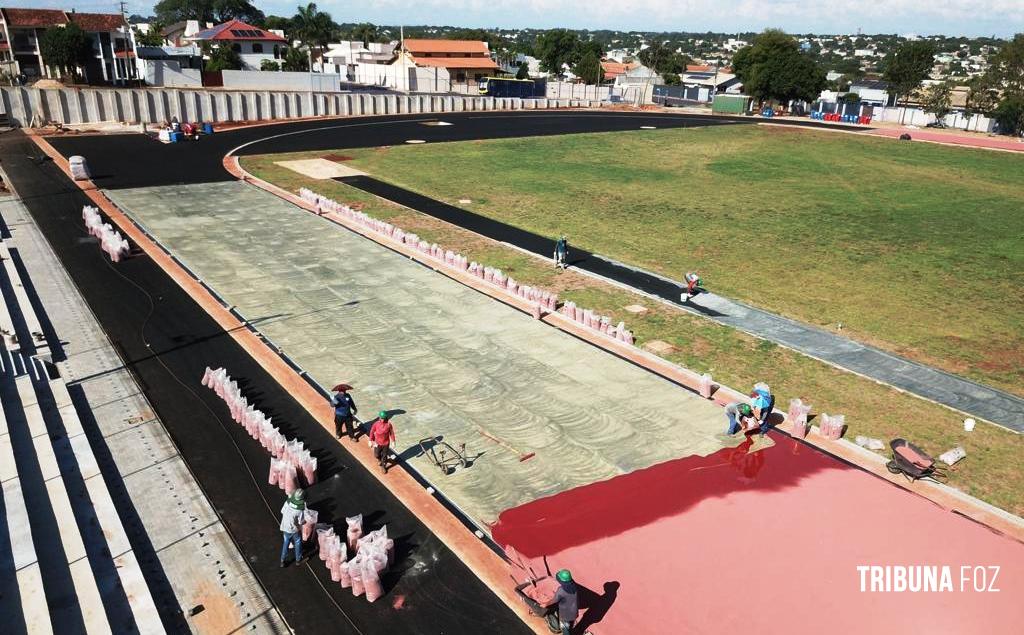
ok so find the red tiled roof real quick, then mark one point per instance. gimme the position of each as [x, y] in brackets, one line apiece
[464, 47]
[97, 22]
[237, 30]
[34, 17]
[697, 68]
[614, 69]
[455, 62]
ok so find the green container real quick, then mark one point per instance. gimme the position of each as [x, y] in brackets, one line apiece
[730, 104]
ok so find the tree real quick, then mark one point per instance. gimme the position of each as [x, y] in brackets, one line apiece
[221, 58]
[152, 37]
[938, 100]
[65, 48]
[277, 23]
[589, 68]
[295, 60]
[907, 66]
[555, 48]
[773, 67]
[313, 28]
[365, 33]
[1010, 115]
[524, 71]
[171, 11]
[1006, 68]
[269, 65]
[982, 98]
[663, 59]
[672, 79]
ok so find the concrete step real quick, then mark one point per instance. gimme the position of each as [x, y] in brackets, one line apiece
[35, 330]
[85, 587]
[140, 600]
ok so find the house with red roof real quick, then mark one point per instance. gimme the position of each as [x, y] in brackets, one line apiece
[463, 61]
[113, 46]
[252, 43]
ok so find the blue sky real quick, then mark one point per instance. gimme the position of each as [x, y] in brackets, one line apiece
[951, 17]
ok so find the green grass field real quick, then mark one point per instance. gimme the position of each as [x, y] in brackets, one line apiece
[916, 248]
[991, 471]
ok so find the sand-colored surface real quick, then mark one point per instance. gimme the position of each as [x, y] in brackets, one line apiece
[319, 168]
[461, 365]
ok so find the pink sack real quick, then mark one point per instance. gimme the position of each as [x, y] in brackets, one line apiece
[324, 533]
[309, 471]
[797, 416]
[336, 571]
[275, 473]
[289, 483]
[343, 575]
[309, 524]
[705, 386]
[206, 377]
[355, 572]
[355, 531]
[371, 580]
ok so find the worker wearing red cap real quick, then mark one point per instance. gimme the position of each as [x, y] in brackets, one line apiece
[382, 437]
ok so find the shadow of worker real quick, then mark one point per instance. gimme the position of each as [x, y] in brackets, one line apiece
[594, 605]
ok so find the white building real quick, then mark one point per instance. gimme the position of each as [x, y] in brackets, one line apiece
[350, 59]
[253, 44]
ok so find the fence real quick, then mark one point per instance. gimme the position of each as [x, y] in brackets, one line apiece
[35, 106]
[281, 80]
[917, 117]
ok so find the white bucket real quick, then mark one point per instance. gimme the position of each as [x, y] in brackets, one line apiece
[968, 424]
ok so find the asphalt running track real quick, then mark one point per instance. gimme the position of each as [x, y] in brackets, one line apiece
[125, 161]
[169, 340]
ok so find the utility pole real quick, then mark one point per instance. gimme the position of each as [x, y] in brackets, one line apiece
[401, 51]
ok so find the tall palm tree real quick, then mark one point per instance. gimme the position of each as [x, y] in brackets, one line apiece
[312, 27]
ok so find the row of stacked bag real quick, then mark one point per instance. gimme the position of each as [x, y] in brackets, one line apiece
[541, 298]
[356, 561]
[290, 460]
[110, 239]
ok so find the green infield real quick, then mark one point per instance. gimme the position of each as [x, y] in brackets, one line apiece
[916, 248]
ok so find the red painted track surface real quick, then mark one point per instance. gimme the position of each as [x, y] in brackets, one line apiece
[767, 542]
[975, 141]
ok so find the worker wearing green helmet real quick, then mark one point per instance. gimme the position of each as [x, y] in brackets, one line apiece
[568, 602]
[382, 437]
[736, 412]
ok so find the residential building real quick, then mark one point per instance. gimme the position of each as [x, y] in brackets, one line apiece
[639, 76]
[113, 45]
[715, 83]
[613, 69]
[873, 92]
[466, 61]
[253, 44]
[180, 33]
[348, 59]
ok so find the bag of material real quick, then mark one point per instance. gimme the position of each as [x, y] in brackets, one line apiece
[355, 572]
[371, 580]
[355, 531]
[309, 518]
[324, 533]
[797, 416]
[952, 457]
[275, 472]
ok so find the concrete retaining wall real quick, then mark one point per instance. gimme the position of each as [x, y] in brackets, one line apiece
[34, 107]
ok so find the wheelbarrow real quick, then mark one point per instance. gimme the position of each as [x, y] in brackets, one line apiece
[443, 455]
[538, 595]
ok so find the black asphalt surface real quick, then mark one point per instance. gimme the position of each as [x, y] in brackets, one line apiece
[167, 340]
[134, 160]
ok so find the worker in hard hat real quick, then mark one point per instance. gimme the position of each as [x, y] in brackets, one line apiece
[561, 252]
[568, 601]
[736, 412]
[693, 286]
[291, 525]
[382, 437]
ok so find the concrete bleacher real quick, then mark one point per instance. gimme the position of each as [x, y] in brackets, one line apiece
[68, 553]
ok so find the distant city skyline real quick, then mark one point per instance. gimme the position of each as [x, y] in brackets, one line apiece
[972, 18]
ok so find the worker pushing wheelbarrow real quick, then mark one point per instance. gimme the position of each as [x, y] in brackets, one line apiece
[553, 598]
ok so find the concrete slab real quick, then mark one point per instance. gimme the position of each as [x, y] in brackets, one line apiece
[319, 168]
[33, 601]
[461, 365]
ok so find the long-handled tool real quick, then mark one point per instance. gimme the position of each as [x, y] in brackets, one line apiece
[505, 444]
